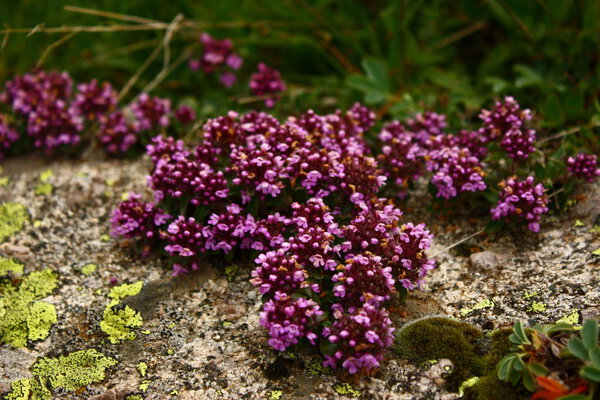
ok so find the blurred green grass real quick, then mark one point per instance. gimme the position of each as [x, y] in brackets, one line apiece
[399, 56]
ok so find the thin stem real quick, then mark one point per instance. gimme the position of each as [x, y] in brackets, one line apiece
[479, 232]
[109, 14]
[53, 46]
[567, 132]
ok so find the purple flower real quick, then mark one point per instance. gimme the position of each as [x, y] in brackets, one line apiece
[505, 116]
[277, 271]
[180, 176]
[259, 169]
[185, 114]
[7, 135]
[164, 147]
[522, 200]
[406, 254]
[92, 101]
[136, 219]
[400, 158]
[457, 171]
[185, 238]
[27, 92]
[289, 320]
[54, 124]
[150, 112]
[361, 337]
[518, 143]
[583, 166]
[363, 277]
[266, 81]
[426, 126]
[116, 134]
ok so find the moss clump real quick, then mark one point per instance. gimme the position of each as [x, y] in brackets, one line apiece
[441, 337]
[69, 372]
[118, 322]
[12, 218]
[474, 356]
[571, 319]
[22, 317]
[538, 307]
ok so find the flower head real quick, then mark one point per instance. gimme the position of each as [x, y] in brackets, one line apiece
[523, 200]
[267, 81]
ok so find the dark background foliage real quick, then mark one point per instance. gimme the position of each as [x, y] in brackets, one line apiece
[398, 56]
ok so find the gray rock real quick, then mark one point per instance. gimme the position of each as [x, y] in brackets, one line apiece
[488, 260]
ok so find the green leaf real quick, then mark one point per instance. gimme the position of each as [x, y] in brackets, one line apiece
[538, 369]
[527, 76]
[520, 333]
[589, 334]
[363, 84]
[575, 397]
[518, 364]
[528, 381]
[494, 226]
[376, 69]
[578, 349]
[375, 97]
[595, 357]
[505, 367]
[590, 373]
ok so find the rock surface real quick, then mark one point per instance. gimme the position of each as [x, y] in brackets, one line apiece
[201, 338]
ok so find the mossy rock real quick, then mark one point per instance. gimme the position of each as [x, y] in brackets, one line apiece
[473, 354]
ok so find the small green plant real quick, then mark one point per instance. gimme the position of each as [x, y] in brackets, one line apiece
[552, 362]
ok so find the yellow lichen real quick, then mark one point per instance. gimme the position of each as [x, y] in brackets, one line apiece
[537, 307]
[69, 372]
[46, 175]
[89, 269]
[145, 385]
[571, 319]
[3, 181]
[142, 367]
[118, 322]
[134, 397]
[44, 189]
[467, 384]
[275, 394]
[347, 389]
[485, 303]
[9, 265]
[127, 289]
[105, 238]
[22, 318]
[12, 218]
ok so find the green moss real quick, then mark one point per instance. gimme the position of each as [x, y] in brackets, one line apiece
[9, 265]
[231, 271]
[316, 368]
[22, 318]
[347, 389]
[441, 337]
[12, 218]
[69, 372]
[44, 189]
[118, 322]
[142, 367]
[89, 269]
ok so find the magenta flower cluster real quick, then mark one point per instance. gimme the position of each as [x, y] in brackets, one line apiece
[584, 166]
[267, 81]
[457, 162]
[523, 200]
[217, 55]
[254, 184]
[348, 272]
[53, 114]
